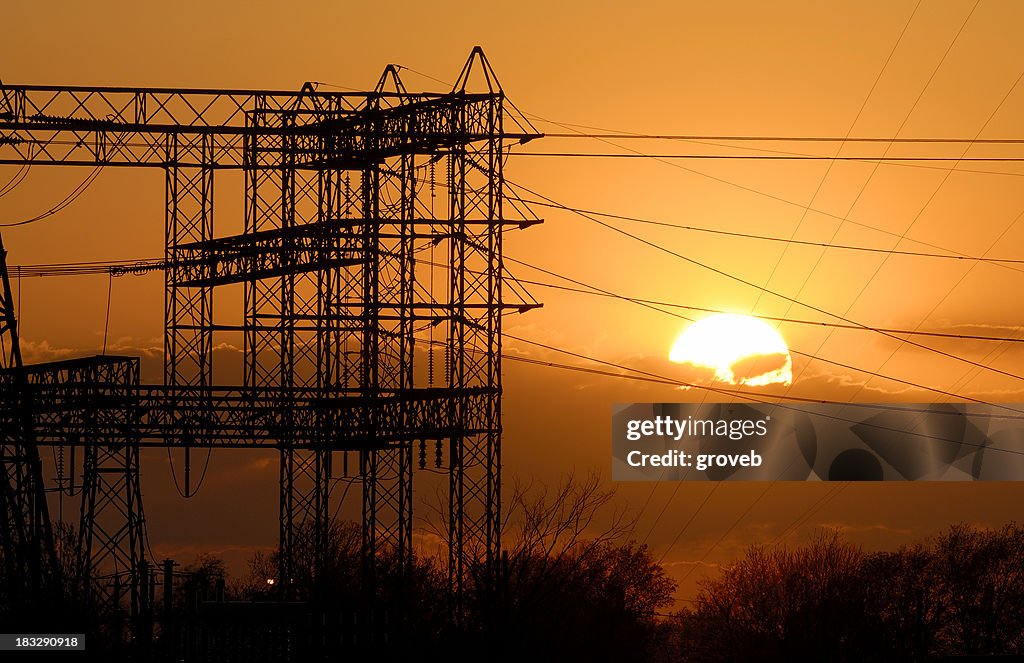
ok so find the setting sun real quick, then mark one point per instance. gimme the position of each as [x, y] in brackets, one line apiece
[740, 349]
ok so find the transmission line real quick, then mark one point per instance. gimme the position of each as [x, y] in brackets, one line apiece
[783, 139]
[142, 266]
[768, 238]
[763, 157]
[902, 235]
[766, 290]
[96, 268]
[647, 376]
[70, 198]
[774, 318]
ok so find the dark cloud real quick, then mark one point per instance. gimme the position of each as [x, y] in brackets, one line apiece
[753, 366]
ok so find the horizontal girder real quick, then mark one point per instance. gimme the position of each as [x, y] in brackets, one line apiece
[236, 128]
[297, 249]
[71, 401]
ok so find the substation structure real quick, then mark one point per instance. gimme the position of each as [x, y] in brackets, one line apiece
[374, 289]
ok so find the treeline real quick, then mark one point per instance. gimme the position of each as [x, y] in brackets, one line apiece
[959, 593]
[567, 589]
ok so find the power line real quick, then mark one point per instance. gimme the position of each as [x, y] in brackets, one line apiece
[831, 164]
[70, 198]
[762, 157]
[931, 197]
[606, 133]
[661, 513]
[647, 376]
[878, 269]
[653, 378]
[710, 140]
[767, 238]
[141, 266]
[726, 533]
[114, 267]
[400, 67]
[811, 510]
[779, 295]
[903, 234]
[188, 491]
[693, 516]
[653, 307]
[603, 137]
[725, 233]
[135, 267]
[899, 164]
[16, 180]
[783, 139]
[106, 319]
[157, 265]
[674, 492]
[814, 357]
[594, 290]
[670, 382]
[336, 86]
[803, 207]
[695, 138]
[650, 377]
[813, 323]
[814, 196]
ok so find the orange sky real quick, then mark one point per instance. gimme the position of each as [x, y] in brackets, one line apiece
[795, 68]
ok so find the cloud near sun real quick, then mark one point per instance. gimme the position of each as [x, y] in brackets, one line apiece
[740, 349]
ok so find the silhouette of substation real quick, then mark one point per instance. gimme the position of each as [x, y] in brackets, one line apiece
[373, 220]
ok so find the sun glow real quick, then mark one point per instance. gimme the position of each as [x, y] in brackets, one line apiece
[739, 348]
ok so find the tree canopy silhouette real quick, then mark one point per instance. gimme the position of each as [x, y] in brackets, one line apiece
[959, 593]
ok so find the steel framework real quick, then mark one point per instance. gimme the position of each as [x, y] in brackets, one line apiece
[92, 404]
[349, 257]
[25, 532]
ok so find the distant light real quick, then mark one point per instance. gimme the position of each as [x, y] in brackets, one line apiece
[270, 581]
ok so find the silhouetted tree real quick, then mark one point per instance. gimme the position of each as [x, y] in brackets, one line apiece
[980, 575]
[961, 593]
[406, 597]
[341, 574]
[803, 604]
[571, 584]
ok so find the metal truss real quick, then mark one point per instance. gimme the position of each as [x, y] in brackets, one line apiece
[28, 546]
[372, 219]
[93, 403]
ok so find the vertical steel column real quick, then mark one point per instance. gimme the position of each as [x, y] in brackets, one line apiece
[387, 496]
[475, 185]
[307, 480]
[29, 552]
[265, 344]
[370, 361]
[188, 336]
[111, 531]
[285, 339]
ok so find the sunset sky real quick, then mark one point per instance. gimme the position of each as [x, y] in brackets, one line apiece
[697, 68]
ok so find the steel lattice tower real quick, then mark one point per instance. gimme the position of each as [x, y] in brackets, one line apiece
[25, 532]
[350, 253]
